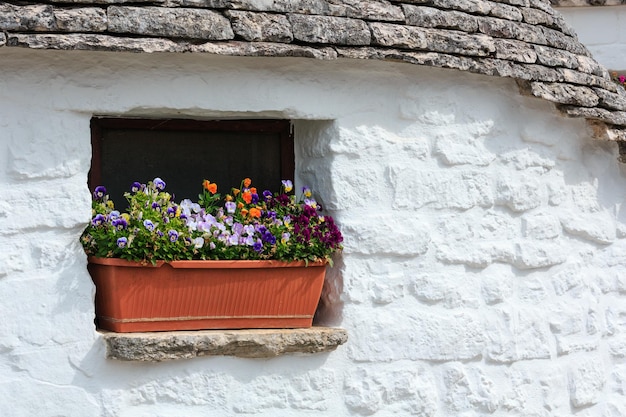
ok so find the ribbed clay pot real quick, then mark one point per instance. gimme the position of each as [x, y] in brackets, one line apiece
[195, 295]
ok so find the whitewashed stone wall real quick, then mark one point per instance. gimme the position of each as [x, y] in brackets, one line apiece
[485, 251]
[602, 30]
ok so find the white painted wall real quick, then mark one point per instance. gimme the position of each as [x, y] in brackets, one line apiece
[485, 249]
[602, 30]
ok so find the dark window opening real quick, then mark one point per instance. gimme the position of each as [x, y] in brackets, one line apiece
[185, 152]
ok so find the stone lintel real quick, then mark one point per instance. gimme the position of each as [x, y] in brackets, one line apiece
[249, 343]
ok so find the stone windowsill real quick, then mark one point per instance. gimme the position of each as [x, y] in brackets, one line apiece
[264, 343]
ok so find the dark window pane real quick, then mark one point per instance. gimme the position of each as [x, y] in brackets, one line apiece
[183, 155]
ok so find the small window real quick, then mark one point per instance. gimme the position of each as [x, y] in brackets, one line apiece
[185, 152]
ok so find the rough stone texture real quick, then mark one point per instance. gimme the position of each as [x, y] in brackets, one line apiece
[264, 49]
[521, 39]
[176, 23]
[81, 20]
[156, 347]
[263, 27]
[95, 42]
[586, 3]
[27, 18]
[333, 30]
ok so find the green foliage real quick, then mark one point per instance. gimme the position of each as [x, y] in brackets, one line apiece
[242, 225]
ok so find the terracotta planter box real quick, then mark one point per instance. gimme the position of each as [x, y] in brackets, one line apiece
[195, 295]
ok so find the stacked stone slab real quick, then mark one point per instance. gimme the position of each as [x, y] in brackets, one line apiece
[522, 39]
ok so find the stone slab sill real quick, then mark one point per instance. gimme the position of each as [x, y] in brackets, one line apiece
[249, 343]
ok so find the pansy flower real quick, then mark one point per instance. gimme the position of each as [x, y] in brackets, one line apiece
[159, 184]
[287, 185]
[99, 192]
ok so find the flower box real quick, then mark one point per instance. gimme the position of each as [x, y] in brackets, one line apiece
[195, 295]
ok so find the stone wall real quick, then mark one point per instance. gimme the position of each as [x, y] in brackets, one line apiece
[483, 271]
[521, 39]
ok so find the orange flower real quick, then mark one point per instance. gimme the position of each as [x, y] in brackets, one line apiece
[244, 212]
[255, 212]
[253, 190]
[247, 182]
[247, 197]
[240, 205]
[236, 191]
[210, 187]
[228, 197]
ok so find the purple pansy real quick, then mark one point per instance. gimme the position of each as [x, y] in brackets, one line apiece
[159, 184]
[99, 192]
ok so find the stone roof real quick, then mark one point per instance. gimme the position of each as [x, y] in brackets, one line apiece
[586, 3]
[526, 40]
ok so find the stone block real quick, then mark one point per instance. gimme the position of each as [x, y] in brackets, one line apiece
[587, 378]
[235, 48]
[500, 28]
[516, 334]
[406, 391]
[597, 227]
[313, 7]
[520, 192]
[57, 206]
[533, 389]
[450, 290]
[469, 6]
[536, 17]
[445, 41]
[459, 189]
[380, 10]
[172, 22]
[264, 27]
[476, 254]
[539, 254]
[389, 235]
[617, 346]
[26, 18]
[553, 57]
[565, 93]
[73, 41]
[395, 334]
[613, 101]
[468, 389]
[560, 40]
[81, 20]
[464, 147]
[523, 159]
[504, 11]
[430, 17]
[497, 284]
[3, 39]
[566, 345]
[568, 280]
[328, 29]
[541, 226]
[512, 50]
